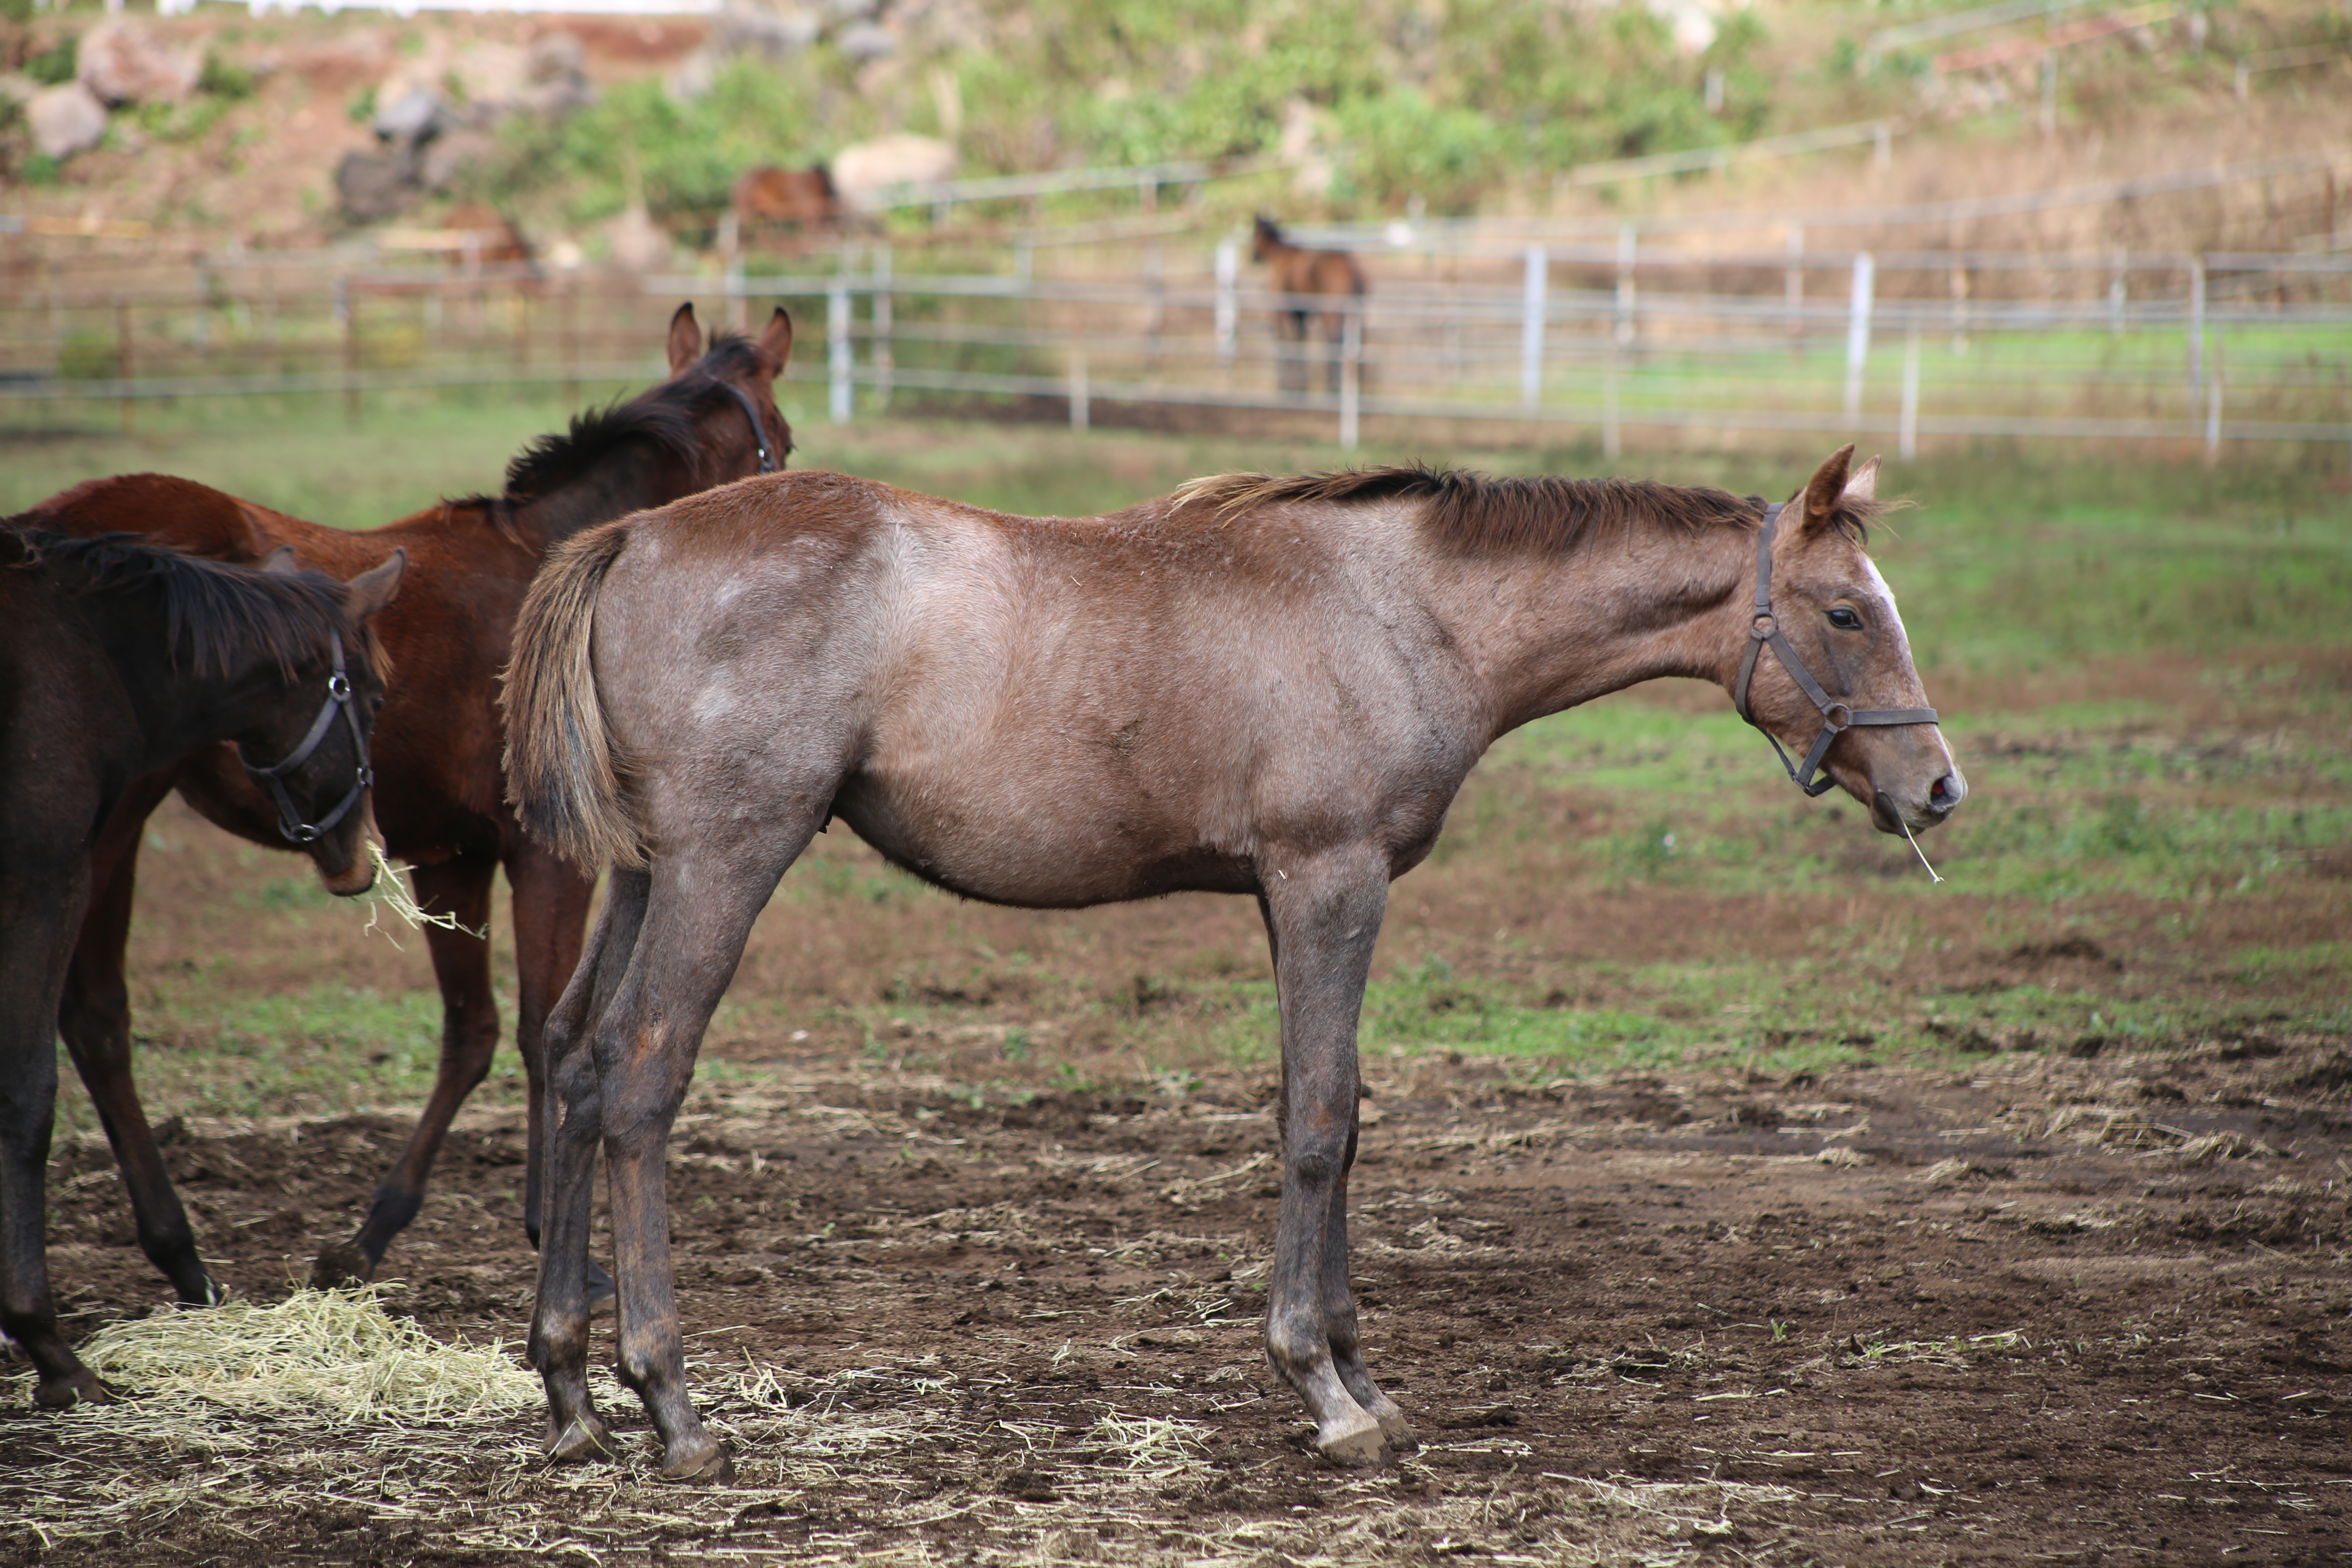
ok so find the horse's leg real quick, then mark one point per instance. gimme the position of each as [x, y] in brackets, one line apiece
[94, 1016]
[1339, 1317]
[40, 906]
[704, 897]
[574, 1121]
[551, 910]
[470, 1038]
[1322, 916]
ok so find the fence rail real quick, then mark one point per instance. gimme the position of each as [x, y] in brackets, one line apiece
[1589, 339]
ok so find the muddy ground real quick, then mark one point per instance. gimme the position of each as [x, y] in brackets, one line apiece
[2037, 1308]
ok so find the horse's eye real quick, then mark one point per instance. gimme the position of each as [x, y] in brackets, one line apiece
[1845, 619]
[375, 704]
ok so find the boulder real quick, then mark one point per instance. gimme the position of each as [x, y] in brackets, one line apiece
[370, 186]
[415, 115]
[123, 61]
[635, 242]
[862, 169]
[64, 119]
[866, 41]
[449, 156]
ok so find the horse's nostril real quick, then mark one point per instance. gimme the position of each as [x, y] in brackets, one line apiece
[1946, 793]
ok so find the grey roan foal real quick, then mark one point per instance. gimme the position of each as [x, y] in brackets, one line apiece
[1258, 686]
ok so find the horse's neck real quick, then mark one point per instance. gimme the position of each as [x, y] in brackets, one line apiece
[624, 482]
[1544, 632]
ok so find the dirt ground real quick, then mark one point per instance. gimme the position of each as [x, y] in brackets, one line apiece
[2042, 1309]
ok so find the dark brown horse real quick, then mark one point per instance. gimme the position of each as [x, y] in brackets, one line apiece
[802, 197]
[118, 661]
[1306, 280]
[439, 794]
[1258, 686]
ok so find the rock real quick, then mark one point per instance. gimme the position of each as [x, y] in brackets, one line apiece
[776, 32]
[866, 41]
[123, 62]
[415, 115]
[449, 155]
[64, 119]
[862, 169]
[371, 187]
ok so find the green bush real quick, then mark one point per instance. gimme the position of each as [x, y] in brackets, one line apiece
[55, 67]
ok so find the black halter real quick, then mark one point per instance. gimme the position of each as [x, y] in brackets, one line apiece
[768, 464]
[340, 698]
[1766, 629]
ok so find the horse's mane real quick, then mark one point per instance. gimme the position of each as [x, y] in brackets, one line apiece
[663, 414]
[1478, 514]
[225, 610]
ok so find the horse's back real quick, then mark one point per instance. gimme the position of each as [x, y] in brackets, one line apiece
[181, 512]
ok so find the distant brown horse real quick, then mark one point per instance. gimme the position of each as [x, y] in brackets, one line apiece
[1258, 686]
[118, 660]
[1304, 278]
[493, 240]
[439, 795]
[802, 197]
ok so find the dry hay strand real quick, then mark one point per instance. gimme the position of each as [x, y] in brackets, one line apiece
[1839, 1156]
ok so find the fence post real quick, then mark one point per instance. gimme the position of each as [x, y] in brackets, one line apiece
[1794, 286]
[123, 366]
[837, 360]
[1907, 431]
[1610, 443]
[885, 361]
[2214, 421]
[1081, 409]
[1531, 326]
[2117, 294]
[2196, 329]
[730, 265]
[347, 306]
[1351, 374]
[1229, 268]
[1857, 330]
[1627, 296]
[1155, 286]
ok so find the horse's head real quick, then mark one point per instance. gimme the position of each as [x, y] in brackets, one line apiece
[310, 755]
[738, 431]
[1824, 667]
[1265, 238]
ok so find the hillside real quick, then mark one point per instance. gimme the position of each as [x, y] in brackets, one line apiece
[1474, 107]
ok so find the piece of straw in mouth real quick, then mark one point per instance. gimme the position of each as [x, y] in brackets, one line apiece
[392, 889]
[1919, 852]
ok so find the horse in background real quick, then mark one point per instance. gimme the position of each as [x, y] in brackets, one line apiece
[439, 797]
[1301, 277]
[118, 660]
[803, 198]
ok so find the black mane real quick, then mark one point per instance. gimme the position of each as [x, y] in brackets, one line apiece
[225, 611]
[662, 416]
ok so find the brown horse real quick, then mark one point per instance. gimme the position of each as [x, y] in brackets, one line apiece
[1258, 686]
[1303, 278]
[439, 794]
[802, 197]
[116, 660]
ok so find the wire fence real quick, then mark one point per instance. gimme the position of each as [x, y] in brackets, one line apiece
[1607, 341]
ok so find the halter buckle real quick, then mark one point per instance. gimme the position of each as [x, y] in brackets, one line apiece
[1832, 722]
[1763, 628]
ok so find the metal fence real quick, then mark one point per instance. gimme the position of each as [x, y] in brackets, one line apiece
[1561, 341]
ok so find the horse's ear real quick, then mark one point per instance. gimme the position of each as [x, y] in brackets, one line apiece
[684, 339]
[281, 561]
[1864, 483]
[1827, 484]
[776, 338]
[372, 590]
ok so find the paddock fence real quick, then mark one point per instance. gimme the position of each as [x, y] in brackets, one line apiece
[1553, 340]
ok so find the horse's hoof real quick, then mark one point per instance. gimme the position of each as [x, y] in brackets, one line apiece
[341, 1267]
[1357, 1444]
[1399, 1432]
[584, 1439]
[82, 1387]
[602, 1291]
[703, 1459]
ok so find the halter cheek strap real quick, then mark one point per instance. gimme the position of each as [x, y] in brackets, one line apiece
[768, 464]
[1836, 717]
[340, 699]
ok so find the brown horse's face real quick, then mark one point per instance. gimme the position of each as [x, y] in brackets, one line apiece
[1838, 613]
[732, 439]
[1265, 239]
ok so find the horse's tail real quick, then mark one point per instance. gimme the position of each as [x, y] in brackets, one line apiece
[565, 775]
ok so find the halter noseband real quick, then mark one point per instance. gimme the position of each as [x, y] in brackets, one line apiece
[768, 464]
[1765, 628]
[340, 698]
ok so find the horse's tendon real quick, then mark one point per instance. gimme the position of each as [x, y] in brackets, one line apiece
[564, 772]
